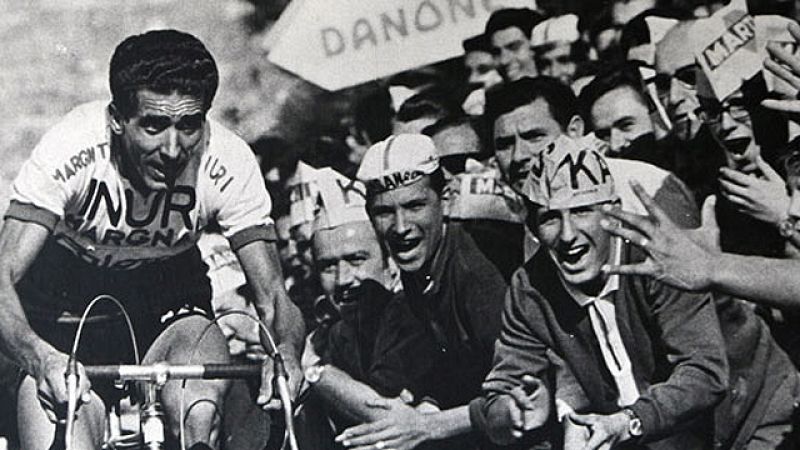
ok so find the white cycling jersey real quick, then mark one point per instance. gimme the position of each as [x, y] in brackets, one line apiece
[73, 185]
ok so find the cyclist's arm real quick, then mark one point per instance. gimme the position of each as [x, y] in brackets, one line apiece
[20, 243]
[259, 260]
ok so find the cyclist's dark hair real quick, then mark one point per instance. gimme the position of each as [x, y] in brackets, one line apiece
[163, 61]
[506, 97]
[608, 79]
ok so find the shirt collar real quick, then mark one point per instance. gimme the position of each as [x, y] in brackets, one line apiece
[611, 285]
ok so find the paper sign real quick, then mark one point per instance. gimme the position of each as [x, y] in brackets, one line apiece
[483, 196]
[338, 44]
[727, 48]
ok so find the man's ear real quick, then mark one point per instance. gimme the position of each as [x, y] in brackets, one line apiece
[576, 127]
[115, 119]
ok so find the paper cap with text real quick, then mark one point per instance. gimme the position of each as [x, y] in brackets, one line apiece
[569, 173]
[400, 160]
[340, 200]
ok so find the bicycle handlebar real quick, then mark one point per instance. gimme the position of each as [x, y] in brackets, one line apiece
[133, 372]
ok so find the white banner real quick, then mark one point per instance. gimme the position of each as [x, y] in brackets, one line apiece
[338, 44]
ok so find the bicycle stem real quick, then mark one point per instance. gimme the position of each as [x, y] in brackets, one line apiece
[71, 381]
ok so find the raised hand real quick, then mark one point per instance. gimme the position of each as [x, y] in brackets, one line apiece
[764, 198]
[785, 66]
[673, 256]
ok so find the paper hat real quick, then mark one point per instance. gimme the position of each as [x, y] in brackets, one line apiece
[556, 29]
[340, 200]
[569, 174]
[302, 195]
[398, 161]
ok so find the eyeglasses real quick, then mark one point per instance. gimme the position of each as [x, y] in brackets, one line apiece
[686, 75]
[711, 111]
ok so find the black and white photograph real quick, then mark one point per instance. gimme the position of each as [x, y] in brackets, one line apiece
[400, 225]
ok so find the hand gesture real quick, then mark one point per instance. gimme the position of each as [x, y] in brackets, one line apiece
[605, 430]
[785, 66]
[764, 198]
[673, 256]
[524, 408]
[51, 387]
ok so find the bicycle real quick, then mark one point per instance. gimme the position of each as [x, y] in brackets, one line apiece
[155, 376]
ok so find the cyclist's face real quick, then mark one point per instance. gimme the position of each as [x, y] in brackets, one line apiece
[160, 136]
[345, 257]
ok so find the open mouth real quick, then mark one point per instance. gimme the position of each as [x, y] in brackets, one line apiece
[573, 255]
[402, 247]
[737, 146]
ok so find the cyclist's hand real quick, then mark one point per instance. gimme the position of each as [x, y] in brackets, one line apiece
[51, 386]
[267, 397]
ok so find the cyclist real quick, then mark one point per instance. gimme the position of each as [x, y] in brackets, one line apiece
[112, 201]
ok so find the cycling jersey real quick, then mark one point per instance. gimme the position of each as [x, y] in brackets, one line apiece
[72, 184]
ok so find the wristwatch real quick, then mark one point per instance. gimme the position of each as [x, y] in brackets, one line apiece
[634, 423]
[313, 374]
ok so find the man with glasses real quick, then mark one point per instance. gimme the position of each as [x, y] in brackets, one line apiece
[753, 199]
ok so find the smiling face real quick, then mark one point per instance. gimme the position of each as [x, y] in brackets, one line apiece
[513, 54]
[576, 242]
[408, 220]
[160, 137]
[345, 257]
[556, 61]
[520, 135]
[480, 69]
[619, 117]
